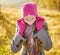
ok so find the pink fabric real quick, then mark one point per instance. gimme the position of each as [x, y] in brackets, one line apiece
[39, 23]
[29, 9]
[22, 25]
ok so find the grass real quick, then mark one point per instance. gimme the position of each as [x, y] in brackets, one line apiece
[8, 19]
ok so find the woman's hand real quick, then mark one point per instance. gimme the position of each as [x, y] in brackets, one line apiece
[28, 32]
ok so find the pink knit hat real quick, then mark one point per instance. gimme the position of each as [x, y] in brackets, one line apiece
[29, 9]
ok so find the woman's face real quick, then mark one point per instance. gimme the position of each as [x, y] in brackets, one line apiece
[30, 19]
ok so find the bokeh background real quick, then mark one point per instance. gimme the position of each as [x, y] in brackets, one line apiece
[10, 11]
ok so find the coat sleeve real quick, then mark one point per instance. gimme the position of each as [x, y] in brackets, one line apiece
[44, 37]
[45, 26]
[17, 41]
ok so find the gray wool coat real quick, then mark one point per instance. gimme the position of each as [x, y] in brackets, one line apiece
[42, 35]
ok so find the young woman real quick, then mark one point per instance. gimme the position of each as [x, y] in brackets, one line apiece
[32, 33]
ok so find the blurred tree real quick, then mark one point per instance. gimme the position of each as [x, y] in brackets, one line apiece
[8, 17]
[48, 4]
[58, 4]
